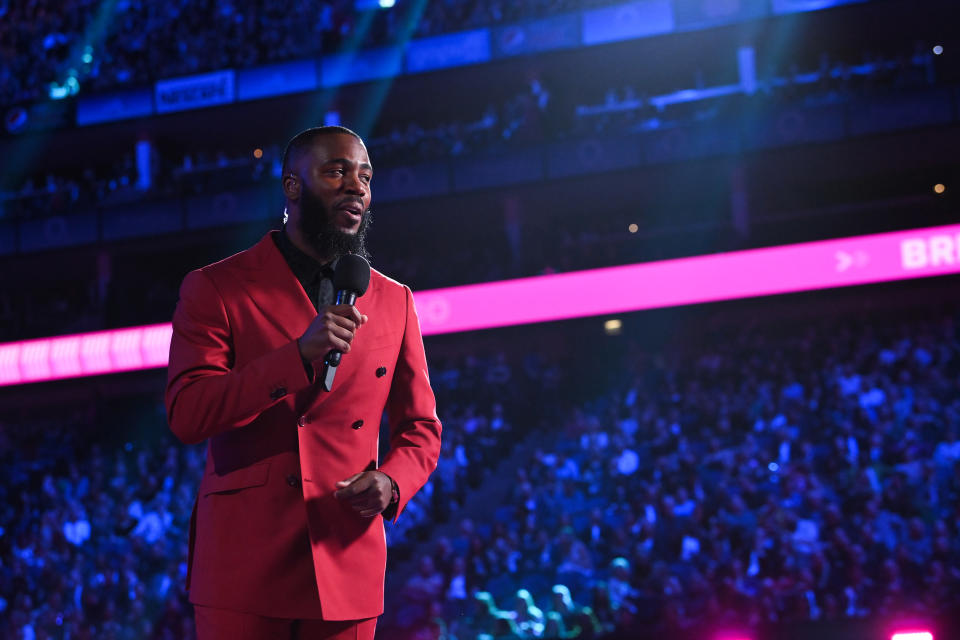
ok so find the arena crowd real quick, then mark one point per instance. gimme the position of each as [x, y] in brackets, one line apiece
[134, 43]
[756, 473]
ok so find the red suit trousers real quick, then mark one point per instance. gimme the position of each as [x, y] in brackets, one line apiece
[223, 624]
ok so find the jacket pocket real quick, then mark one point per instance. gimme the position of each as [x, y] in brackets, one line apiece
[253, 476]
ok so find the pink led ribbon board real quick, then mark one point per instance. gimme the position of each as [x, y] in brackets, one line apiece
[845, 262]
[918, 253]
[85, 354]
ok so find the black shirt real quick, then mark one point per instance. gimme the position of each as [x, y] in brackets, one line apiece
[315, 278]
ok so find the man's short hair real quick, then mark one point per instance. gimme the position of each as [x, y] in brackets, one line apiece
[304, 140]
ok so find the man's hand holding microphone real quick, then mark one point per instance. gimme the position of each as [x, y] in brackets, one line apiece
[332, 330]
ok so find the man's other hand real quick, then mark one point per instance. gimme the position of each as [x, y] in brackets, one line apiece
[368, 493]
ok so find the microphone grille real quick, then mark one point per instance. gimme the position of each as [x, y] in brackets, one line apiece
[352, 274]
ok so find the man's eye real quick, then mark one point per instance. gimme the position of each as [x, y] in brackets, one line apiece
[336, 172]
[366, 179]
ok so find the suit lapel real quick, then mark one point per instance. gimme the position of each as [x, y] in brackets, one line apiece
[275, 290]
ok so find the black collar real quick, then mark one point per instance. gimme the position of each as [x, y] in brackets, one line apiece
[305, 268]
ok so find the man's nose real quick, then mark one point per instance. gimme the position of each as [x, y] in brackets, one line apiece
[353, 184]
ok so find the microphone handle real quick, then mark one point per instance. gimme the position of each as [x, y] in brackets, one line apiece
[332, 361]
[344, 296]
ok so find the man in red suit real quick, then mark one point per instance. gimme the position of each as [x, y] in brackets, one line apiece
[287, 538]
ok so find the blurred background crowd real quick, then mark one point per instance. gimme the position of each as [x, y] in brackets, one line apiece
[760, 473]
[741, 472]
[133, 42]
[541, 108]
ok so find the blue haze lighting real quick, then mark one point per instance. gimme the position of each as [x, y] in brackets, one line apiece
[68, 88]
[366, 5]
[747, 66]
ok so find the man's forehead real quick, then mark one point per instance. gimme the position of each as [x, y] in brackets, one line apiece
[338, 146]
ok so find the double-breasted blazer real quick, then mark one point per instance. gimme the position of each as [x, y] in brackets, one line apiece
[267, 535]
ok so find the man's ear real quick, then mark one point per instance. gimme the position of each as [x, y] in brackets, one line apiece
[291, 187]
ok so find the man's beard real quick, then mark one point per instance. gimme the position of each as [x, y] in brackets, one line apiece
[329, 241]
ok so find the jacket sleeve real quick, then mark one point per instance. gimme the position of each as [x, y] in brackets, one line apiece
[206, 395]
[412, 413]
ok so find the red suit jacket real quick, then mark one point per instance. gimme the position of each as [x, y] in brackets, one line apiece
[267, 535]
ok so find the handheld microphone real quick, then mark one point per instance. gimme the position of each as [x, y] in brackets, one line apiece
[351, 277]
